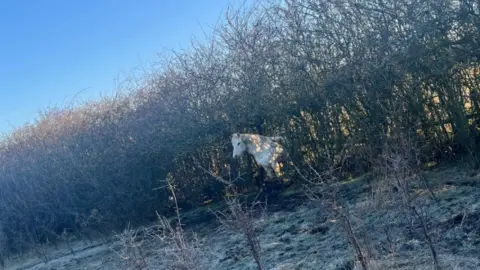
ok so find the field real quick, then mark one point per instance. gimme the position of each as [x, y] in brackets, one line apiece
[296, 233]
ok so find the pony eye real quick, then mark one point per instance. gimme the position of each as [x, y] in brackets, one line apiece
[238, 143]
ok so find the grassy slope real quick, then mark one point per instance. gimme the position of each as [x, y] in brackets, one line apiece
[297, 234]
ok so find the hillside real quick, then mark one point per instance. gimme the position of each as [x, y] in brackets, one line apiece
[296, 233]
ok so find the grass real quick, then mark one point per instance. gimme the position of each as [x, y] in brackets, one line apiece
[453, 220]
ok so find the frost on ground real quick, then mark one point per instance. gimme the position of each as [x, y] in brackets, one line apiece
[298, 234]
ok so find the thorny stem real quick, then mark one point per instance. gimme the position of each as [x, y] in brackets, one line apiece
[427, 238]
[179, 239]
[347, 226]
[240, 220]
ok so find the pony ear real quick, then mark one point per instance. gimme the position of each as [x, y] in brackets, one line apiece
[236, 135]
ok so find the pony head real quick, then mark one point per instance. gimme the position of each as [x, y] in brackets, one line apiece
[239, 146]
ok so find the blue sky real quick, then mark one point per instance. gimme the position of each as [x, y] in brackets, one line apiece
[52, 50]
